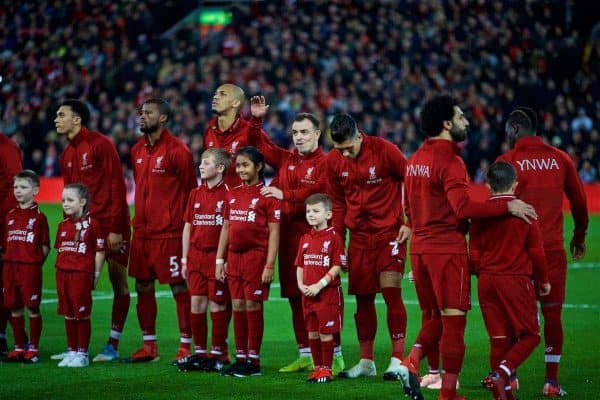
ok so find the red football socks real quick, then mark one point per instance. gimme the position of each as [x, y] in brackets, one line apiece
[499, 347]
[366, 324]
[71, 329]
[428, 338]
[256, 328]
[199, 331]
[120, 308]
[146, 312]
[298, 322]
[183, 305]
[326, 354]
[84, 333]
[396, 319]
[240, 331]
[35, 331]
[433, 356]
[220, 326]
[18, 324]
[553, 338]
[315, 349]
[452, 344]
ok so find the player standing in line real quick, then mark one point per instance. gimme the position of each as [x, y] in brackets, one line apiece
[248, 242]
[91, 158]
[203, 222]
[80, 256]
[437, 206]
[505, 253]
[544, 174]
[163, 170]
[10, 165]
[300, 173]
[26, 247]
[364, 177]
[229, 130]
[321, 256]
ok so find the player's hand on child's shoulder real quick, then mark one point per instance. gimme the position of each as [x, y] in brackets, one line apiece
[520, 209]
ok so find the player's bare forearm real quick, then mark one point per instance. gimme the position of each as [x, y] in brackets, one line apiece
[185, 240]
[273, 244]
[98, 263]
[223, 238]
[300, 277]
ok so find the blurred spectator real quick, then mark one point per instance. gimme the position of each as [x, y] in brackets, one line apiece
[588, 173]
[377, 60]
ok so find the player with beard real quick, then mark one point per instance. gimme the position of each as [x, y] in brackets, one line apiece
[164, 175]
[437, 207]
[300, 173]
[544, 174]
[91, 159]
[229, 130]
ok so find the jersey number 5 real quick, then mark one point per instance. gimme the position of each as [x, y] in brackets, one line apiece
[173, 266]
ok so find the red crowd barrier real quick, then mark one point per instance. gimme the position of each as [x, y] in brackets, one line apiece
[51, 189]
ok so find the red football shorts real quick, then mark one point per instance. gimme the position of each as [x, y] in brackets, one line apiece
[557, 274]
[288, 248]
[508, 305]
[156, 259]
[74, 290]
[365, 265]
[201, 277]
[244, 275]
[442, 281]
[323, 314]
[22, 285]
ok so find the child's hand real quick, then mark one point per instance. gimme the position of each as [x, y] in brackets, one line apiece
[184, 269]
[544, 289]
[267, 275]
[313, 290]
[220, 272]
[302, 288]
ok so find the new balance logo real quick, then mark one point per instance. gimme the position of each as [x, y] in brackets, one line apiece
[219, 293]
[10, 222]
[196, 205]
[292, 167]
[35, 297]
[82, 309]
[330, 323]
[138, 161]
[258, 292]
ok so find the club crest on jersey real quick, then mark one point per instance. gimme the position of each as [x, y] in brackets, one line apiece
[291, 167]
[11, 221]
[344, 174]
[277, 214]
[196, 205]
[84, 161]
[326, 246]
[138, 161]
[30, 223]
[234, 146]
[158, 165]
[69, 164]
[373, 176]
[219, 206]
[254, 202]
[309, 172]
[305, 246]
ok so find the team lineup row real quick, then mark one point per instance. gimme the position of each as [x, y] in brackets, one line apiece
[219, 241]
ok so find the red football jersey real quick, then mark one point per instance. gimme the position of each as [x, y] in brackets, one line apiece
[77, 242]
[298, 176]
[544, 173]
[507, 245]
[26, 232]
[436, 199]
[92, 159]
[205, 212]
[237, 136]
[164, 176]
[318, 251]
[367, 191]
[249, 215]
[10, 165]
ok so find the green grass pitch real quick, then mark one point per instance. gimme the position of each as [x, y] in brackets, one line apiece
[579, 372]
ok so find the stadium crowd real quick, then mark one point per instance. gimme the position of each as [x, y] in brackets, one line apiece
[374, 60]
